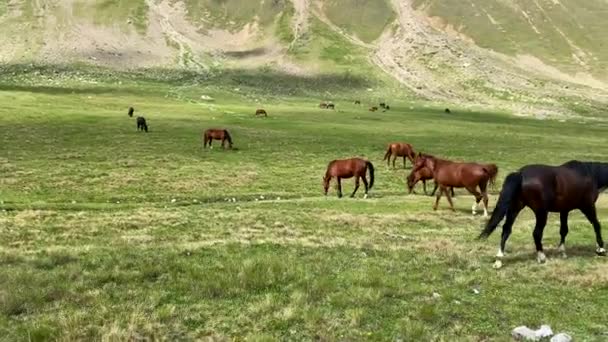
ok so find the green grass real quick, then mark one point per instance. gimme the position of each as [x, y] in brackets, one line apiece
[93, 247]
[115, 12]
[549, 31]
[364, 19]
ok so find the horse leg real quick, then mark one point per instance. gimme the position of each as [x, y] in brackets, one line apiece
[447, 194]
[592, 217]
[339, 186]
[438, 197]
[424, 186]
[563, 231]
[434, 189]
[403, 162]
[356, 186]
[478, 198]
[394, 160]
[541, 221]
[484, 192]
[366, 185]
[506, 232]
[210, 143]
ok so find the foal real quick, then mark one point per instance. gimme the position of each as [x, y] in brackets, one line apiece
[348, 168]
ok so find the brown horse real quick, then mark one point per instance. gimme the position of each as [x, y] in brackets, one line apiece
[373, 109]
[323, 105]
[261, 112]
[348, 168]
[459, 175]
[396, 149]
[542, 188]
[423, 175]
[216, 134]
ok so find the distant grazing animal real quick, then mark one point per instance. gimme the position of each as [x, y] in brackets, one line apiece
[398, 149]
[131, 110]
[447, 110]
[261, 112]
[387, 107]
[141, 124]
[331, 106]
[357, 102]
[423, 175]
[382, 105]
[348, 168]
[544, 189]
[373, 109]
[459, 175]
[217, 134]
[323, 105]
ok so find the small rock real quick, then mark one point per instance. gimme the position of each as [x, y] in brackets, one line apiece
[195, 200]
[278, 198]
[524, 333]
[73, 202]
[436, 295]
[561, 337]
[173, 200]
[544, 331]
[233, 199]
[261, 197]
[117, 202]
[475, 291]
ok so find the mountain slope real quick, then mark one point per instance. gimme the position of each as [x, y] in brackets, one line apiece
[525, 56]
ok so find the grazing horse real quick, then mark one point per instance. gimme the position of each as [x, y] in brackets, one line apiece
[423, 175]
[323, 105]
[331, 106]
[348, 168]
[357, 102]
[130, 113]
[448, 111]
[141, 124]
[261, 112]
[382, 105]
[396, 149]
[373, 109]
[544, 189]
[459, 175]
[216, 134]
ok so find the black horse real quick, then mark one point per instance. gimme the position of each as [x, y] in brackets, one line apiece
[544, 189]
[141, 124]
[131, 110]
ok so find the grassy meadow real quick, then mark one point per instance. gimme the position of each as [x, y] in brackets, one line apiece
[110, 234]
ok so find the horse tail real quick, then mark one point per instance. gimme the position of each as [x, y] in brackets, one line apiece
[388, 152]
[370, 167]
[510, 191]
[228, 136]
[492, 171]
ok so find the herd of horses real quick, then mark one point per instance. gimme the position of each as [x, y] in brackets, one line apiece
[574, 185]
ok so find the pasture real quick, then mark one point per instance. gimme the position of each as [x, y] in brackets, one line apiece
[107, 233]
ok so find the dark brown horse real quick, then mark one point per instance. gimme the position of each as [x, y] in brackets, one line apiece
[348, 168]
[542, 188]
[261, 112]
[357, 102]
[398, 149]
[141, 124]
[331, 106]
[131, 111]
[216, 134]
[423, 175]
[373, 109]
[459, 175]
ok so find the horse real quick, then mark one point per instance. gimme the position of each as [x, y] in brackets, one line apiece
[459, 175]
[216, 134]
[373, 109]
[423, 175]
[141, 124]
[331, 106]
[397, 149]
[387, 107]
[261, 112]
[543, 188]
[382, 105]
[357, 102]
[348, 168]
[448, 111]
[323, 105]
[130, 113]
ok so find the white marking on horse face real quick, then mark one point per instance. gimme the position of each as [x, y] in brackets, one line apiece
[541, 258]
[500, 253]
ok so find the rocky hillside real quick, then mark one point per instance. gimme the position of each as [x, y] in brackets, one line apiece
[528, 56]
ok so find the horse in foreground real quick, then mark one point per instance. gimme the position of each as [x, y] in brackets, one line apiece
[423, 175]
[544, 189]
[217, 134]
[348, 168]
[141, 124]
[459, 175]
[396, 149]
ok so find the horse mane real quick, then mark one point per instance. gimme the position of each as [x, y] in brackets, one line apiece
[597, 170]
[228, 136]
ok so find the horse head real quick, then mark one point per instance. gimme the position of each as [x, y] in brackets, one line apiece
[412, 179]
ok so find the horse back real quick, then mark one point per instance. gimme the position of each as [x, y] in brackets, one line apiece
[556, 188]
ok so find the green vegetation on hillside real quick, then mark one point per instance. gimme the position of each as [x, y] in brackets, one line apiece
[111, 234]
[235, 14]
[364, 19]
[562, 32]
[115, 12]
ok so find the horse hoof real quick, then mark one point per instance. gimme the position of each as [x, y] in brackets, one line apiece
[600, 252]
[365, 196]
[497, 264]
[541, 258]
